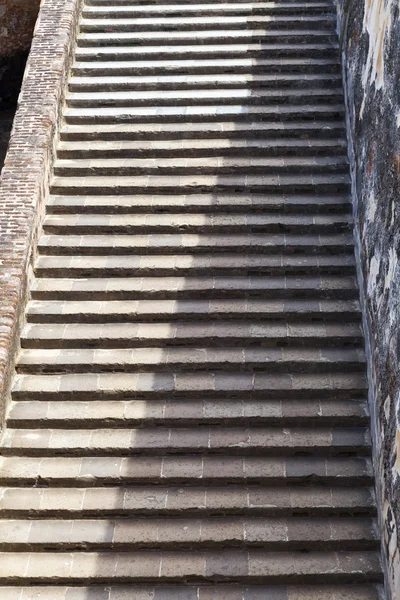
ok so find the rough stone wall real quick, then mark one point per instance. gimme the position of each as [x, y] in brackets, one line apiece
[27, 168]
[370, 39]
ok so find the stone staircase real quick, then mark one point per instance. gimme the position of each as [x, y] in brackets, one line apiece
[189, 414]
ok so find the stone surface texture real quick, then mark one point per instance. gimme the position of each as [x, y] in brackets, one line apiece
[189, 408]
[370, 33]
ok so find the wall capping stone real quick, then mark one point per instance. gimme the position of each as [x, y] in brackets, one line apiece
[27, 169]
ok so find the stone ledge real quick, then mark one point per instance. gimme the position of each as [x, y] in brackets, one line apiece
[27, 167]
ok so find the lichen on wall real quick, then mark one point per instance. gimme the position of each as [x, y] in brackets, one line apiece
[370, 34]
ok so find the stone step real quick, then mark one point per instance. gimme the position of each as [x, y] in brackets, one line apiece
[202, 184]
[163, 2]
[121, 386]
[256, 81]
[191, 148]
[199, 470]
[289, 20]
[75, 414]
[257, 441]
[193, 97]
[209, 288]
[131, 335]
[201, 592]
[229, 130]
[204, 203]
[178, 243]
[212, 51]
[224, 9]
[191, 500]
[207, 66]
[87, 311]
[254, 566]
[289, 36]
[177, 114]
[242, 223]
[156, 2]
[246, 358]
[192, 264]
[271, 534]
[203, 166]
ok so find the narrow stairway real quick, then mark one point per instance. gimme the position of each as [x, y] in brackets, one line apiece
[189, 414]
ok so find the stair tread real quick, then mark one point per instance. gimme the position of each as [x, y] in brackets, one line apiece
[136, 310]
[177, 243]
[201, 162]
[188, 145]
[191, 264]
[225, 19]
[203, 592]
[206, 66]
[184, 331]
[92, 23]
[199, 181]
[203, 112]
[227, 35]
[192, 239]
[266, 441]
[213, 51]
[123, 185]
[182, 131]
[121, 359]
[123, 413]
[185, 222]
[198, 7]
[213, 166]
[71, 502]
[89, 21]
[201, 469]
[252, 566]
[204, 203]
[134, 288]
[153, 384]
[283, 534]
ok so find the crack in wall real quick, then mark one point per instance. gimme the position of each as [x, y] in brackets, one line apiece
[370, 30]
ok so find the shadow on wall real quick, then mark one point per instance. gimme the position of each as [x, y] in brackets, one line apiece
[17, 21]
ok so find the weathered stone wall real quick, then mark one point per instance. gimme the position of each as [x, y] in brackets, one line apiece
[370, 37]
[27, 168]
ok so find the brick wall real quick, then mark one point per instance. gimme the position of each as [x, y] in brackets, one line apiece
[27, 168]
[370, 32]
